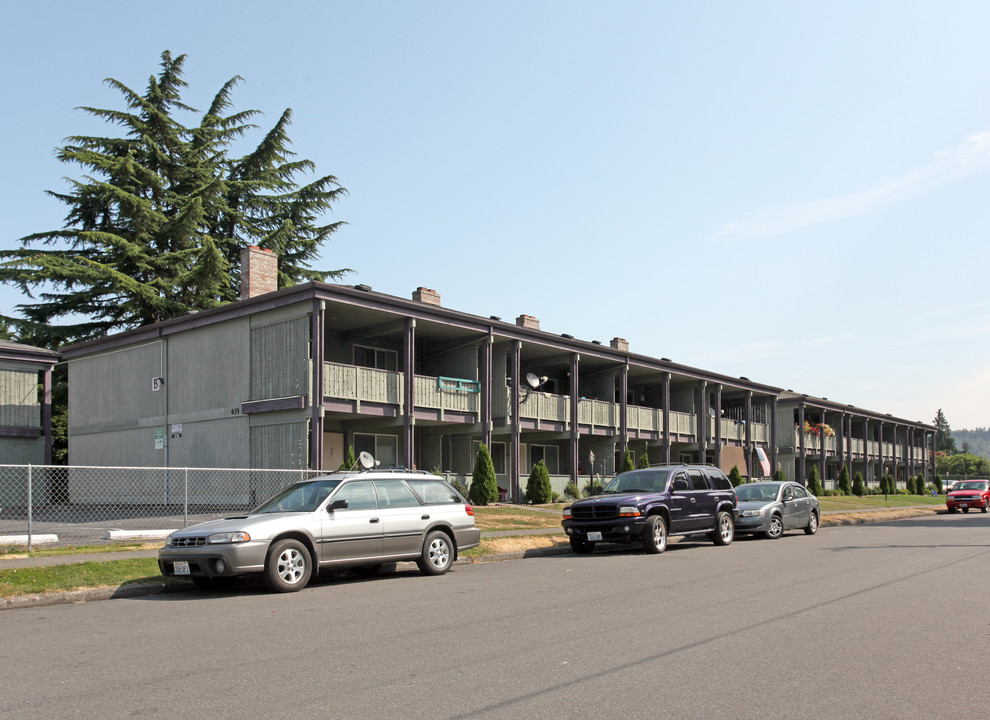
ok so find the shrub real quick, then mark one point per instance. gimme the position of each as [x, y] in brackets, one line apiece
[571, 491]
[627, 462]
[593, 487]
[844, 486]
[857, 488]
[538, 490]
[814, 483]
[938, 483]
[484, 486]
[349, 460]
[778, 475]
[644, 459]
[555, 497]
[460, 487]
[734, 477]
[919, 485]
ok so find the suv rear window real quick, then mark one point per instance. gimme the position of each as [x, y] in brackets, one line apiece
[719, 480]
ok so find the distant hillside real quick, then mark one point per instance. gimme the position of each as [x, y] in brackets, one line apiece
[978, 440]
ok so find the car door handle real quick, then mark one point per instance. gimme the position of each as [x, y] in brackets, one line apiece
[373, 520]
[425, 517]
[692, 500]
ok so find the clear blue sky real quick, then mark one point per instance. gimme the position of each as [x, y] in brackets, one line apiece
[793, 192]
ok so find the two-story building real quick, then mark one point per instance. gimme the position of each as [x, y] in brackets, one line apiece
[25, 404]
[292, 378]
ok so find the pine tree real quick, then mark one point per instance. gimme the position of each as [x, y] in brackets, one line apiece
[157, 221]
[814, 483]
[859, 487]
[627, 462]
[538, 490]
[844, 481]
[778, 475]
[349, 460]
[944, 442]
[644, 459]
[735, 477]
[484, 485]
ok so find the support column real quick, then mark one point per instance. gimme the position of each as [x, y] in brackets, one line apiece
[516, 360]
[487, 385]
[866, 451]
[316, 332]
[46, 412]
[773, 435]
[409, 394]
[749, 433]
[575, 435]
[623, 409]
[666, 418]
[802, 453]
[718, 426]
[702, 421]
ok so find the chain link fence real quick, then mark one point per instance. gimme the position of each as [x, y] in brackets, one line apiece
[76, 505]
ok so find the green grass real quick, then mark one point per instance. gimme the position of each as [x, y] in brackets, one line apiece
[851, 503]
[21, 550]
[490, 519]
[58, 578]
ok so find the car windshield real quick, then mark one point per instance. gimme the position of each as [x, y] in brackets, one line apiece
[301, 497]
[757, 492]
[638, 481]
[971, 485]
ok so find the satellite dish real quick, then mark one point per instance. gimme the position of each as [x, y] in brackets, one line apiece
[534, 380]
[366, 460]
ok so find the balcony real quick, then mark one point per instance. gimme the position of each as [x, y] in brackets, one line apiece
[385, 387]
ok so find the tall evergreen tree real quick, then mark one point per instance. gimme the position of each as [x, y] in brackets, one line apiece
[644, 459]
[157, 221]
[627, 462]
[484, 484]
[944, 442]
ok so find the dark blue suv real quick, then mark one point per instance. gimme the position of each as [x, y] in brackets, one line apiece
[649, 504]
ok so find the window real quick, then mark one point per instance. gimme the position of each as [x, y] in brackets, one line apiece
[394, 494]
[434, 493]
[719, 480]
[699, 480]
[680, 483]
[800, 492]
[376, 358]
[384, 448]
[359, 496]
[548, 454]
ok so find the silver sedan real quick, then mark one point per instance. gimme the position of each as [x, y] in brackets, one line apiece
[771, 508]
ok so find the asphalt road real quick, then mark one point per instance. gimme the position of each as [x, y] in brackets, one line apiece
[871, 621]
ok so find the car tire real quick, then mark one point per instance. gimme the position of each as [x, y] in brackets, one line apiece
[655, 535]
[952, 510]
[580, 546]
[776, 528]
[725, 528]
[986, 506]
[288, 566]
[965, 509]
[812, 527]
[437, 555]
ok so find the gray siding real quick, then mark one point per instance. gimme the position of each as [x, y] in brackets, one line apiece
[19, 405]
[21, 451]
[208, 369]
[280, 360]
[216, 443]
[113, 391]
[284, 446]
[131, 448]
[461, 363]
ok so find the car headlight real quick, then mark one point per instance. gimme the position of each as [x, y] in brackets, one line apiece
[752, 513]
[566, 515]
[168, 540]
[229, 537]
[628, 511]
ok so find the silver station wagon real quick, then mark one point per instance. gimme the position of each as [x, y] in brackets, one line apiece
[345, 519]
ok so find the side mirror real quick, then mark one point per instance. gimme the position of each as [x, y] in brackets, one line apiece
[337, 505]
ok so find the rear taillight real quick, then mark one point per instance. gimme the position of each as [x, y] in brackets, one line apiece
[469, 510]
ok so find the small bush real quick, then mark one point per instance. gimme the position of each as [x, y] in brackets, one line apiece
[778, 475]
[814, 483]
[594, 487]
[627, 462]
[644, 459]
[735, 477]
[571, 491]
[538, 490]
[938, 483]
[844, 486]
[858, 488]
[484, 485]
[349, 460]
[459, 487]
[555, 497]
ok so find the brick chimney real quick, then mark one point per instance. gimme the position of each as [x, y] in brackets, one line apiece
[259, 272]
[620, 344]
[426, 295]
[528, 321]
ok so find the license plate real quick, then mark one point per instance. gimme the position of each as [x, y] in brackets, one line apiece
[594, 536]
[180, 567]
